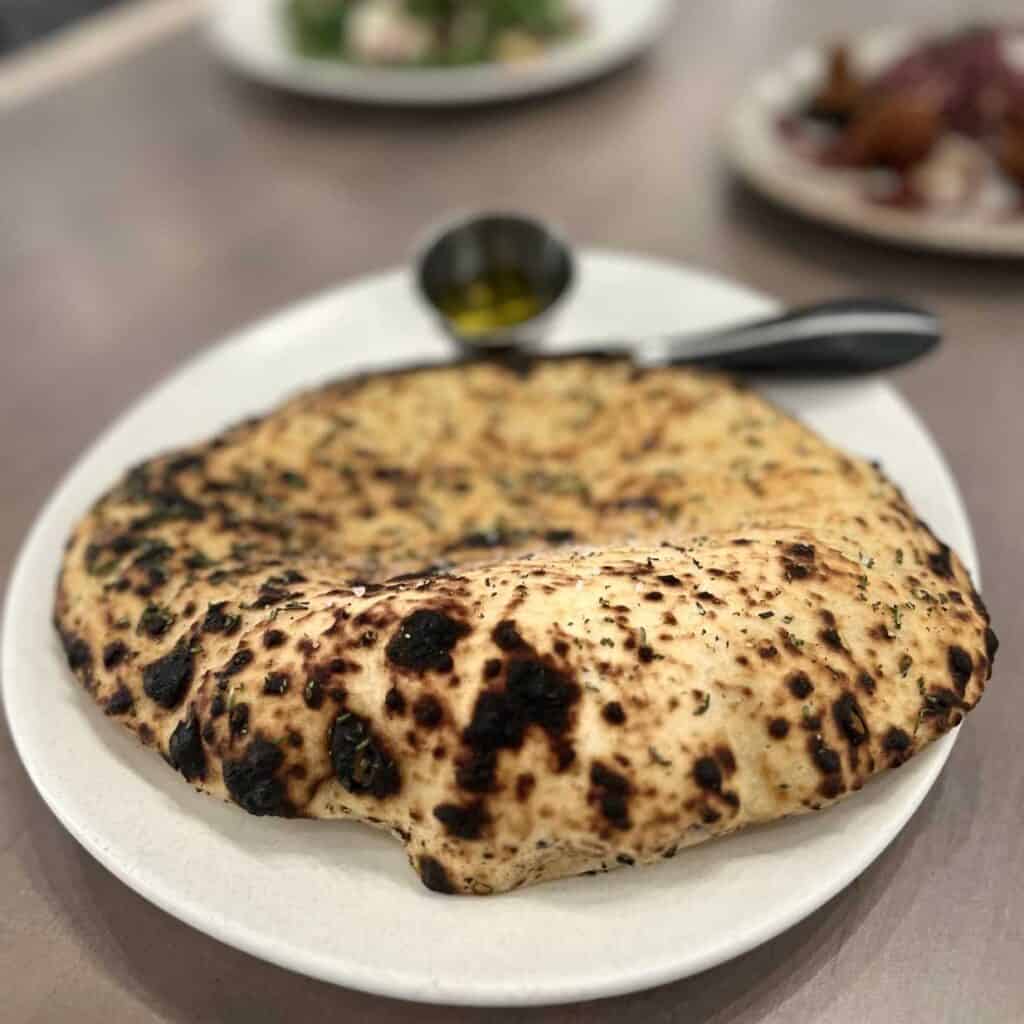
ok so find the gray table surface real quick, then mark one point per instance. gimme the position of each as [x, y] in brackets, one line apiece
[160, 202]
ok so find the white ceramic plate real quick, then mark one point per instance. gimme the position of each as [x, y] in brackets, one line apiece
[251, 36]
[337, 900]
[758, 151]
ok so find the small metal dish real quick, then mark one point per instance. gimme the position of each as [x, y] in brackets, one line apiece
[482, 246]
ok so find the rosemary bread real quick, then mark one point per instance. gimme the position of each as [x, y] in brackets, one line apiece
[534, 620]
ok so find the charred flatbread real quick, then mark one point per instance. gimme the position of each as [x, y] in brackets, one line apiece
[533, 621]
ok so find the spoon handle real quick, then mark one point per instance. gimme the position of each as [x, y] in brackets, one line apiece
[843, 336]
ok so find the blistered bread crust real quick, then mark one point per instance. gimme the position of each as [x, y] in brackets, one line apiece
[534, 621]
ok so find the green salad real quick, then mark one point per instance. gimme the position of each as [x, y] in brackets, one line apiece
[428, 33]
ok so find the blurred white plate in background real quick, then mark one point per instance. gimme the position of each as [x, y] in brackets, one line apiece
[337, 900]
[251, 36]
[760, 153]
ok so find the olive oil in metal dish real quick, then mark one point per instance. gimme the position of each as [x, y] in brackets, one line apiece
[492, 302]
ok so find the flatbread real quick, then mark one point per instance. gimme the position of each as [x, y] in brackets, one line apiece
[534, 621]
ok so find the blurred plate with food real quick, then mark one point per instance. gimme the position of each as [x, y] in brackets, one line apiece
[431, 52]
[913, 137]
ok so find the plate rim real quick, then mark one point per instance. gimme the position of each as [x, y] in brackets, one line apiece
[410, 987]
[469, 86]
[752, 147]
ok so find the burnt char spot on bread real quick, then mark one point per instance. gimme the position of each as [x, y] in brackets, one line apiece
[831, 786]
[482, 539]
[313, 693]
[611, 791]
[114, 653]
[434, 876]
[120, 702]
[497, 723]
[725, 758]
[896, 740]
[424, 641]
[800, 685]
[217, 620]
[475, 772]
[463, 821]
[427, 711]
[238, 720]
[525, 783]
[506, 636]
[361, 761]
[185, 748]
[252, 783]
[155, 621]
[166, 679]
[612, 713]
[961, 668]
[991, 643]
[535, 694]
[77, 651]
[831, 638]
[190, 460]
[850, 719]
[560, 536]
[939, 704]
[274, 638]
[394, 702]
[940, 562]
[824, 757]
[275, 684]
[803, 552]
[795, 570]
[544, 694]
[239, 660]
[707, 773]
[564, 754]
[778, 728]
[273, 594]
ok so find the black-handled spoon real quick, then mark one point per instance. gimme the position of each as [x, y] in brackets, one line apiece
[840, 337]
